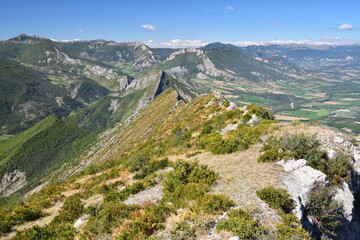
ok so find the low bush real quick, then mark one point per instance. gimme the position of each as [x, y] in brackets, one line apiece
[188, 172]
[306, 146]
[290, 228]
[214, 203]
[324, 210]
[71, 210]
[184, 193]
[144, 222]
[276, 198]
[106, 217]
[151, 168]
[241, 224]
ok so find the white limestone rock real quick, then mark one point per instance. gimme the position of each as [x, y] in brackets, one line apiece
[11, 182]
[299, 180]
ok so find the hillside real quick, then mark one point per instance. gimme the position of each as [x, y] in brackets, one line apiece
[27, 96]
[199, 170]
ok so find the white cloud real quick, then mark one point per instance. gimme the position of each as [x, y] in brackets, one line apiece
[177, 43]
[81, 30]
[345, 27]
[148, 27]
[274, 23]
[230, 8]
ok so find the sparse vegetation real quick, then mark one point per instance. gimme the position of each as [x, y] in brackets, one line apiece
[306, 146]
[241, 224]
[324, 210]
[276, 198]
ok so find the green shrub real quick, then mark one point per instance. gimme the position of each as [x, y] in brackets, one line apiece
[25, 213]
[276, 198]
[63, 231]
[113, 195]
[137, 161]
[144, 222]
[183, 230]
[188, 172]
[184, 193]
[324, 210]
[225, 146]
[151, 168]
[106, 217]
[242, 225]
[337, 169]
[259, 111]
[214, 203]
[5, 224]
[306, 146]
[290, 228]
[71, 210]
[271, 155]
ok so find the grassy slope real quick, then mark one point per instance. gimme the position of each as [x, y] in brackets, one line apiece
[99, 115]
[43, 149]
[20, 85]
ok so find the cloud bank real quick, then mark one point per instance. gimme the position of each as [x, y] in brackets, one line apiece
[178, 43]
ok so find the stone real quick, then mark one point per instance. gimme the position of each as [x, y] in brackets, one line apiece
[299, 180]
[234, 238]
[253, 121]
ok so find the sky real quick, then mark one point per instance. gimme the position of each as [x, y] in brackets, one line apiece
[185, 23]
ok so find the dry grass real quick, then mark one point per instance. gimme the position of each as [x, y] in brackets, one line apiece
[240, 177]
[289, 118]
[93, 200]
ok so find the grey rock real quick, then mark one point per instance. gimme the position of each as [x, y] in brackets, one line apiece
[234, 238]
[299, 180]
[254, 120]
[345, 196]
[11, 182]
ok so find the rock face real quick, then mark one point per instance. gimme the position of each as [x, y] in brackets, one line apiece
[299, 180]
[254, 120]
[11, 182]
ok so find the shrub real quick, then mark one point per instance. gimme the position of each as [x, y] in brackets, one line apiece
[242, 225]
[114, 196]
[324, 209]
[71, 210]
[276, 198]
[337, 169]
[188, 172]
[144, 222]
[214, 203]
[271, 155]
[63, 231]
[225, 146]
[306, 146]
[25, 213]
[184, 193]
[151, 168]
[137, 161]
[259, 111]
[290, 228]
[183, 230]
[106, 218]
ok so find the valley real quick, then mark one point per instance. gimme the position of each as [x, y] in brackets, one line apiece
[108, 140]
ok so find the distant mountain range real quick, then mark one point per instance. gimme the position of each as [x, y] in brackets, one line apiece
[98, 125]
[73, 75]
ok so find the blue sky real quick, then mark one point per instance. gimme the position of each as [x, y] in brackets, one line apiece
[176, 23]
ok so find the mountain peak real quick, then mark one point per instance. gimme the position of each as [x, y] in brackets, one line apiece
[24, 37]
[217, 45]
